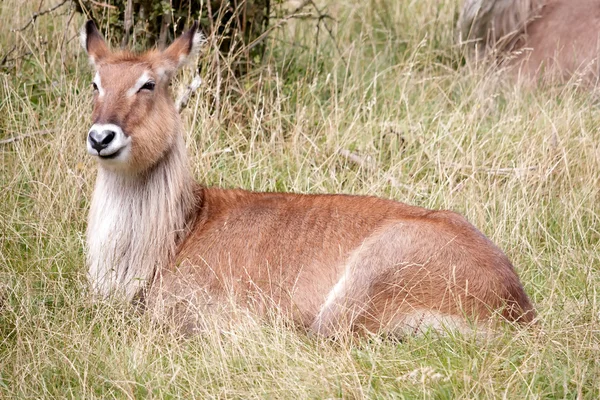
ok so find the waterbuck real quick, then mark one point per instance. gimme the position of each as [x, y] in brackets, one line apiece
[549, 38]
[330, 263]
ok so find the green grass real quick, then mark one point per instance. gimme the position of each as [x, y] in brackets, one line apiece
[523, 164]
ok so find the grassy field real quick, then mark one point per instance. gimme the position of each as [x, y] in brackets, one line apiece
[384, 107]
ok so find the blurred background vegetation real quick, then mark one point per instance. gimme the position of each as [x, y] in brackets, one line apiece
[239, 25]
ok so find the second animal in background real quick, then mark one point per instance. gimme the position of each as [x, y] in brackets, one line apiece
[548, 39]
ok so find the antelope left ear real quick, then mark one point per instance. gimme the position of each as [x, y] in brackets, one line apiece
[185, 47]
[93, 42]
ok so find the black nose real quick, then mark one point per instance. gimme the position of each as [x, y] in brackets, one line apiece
[101, 140]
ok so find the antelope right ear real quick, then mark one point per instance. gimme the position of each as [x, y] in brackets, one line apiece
[93, 42]
[184, 48]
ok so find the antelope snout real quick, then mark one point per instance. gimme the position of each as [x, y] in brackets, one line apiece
[108, 141]
[100, 140]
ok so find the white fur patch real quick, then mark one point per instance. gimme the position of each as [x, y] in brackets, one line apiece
[334, 295]
[141, 81]
[98, 83]
[121, 143]
[83, 42]
[83, 37]
[135, 223]
[197, 43]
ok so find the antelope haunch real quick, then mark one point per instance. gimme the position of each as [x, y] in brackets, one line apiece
[551, 38]
[331, 263]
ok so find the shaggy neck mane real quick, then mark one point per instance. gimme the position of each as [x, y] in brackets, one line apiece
[137, 221]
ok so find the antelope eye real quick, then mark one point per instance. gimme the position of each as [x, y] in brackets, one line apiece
[94, 86]
[148, 86]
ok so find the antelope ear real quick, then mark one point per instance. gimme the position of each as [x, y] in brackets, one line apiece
[185, 47]
[93, 42]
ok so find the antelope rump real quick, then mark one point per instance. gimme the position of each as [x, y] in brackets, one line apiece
[553, 39]
[330, 263]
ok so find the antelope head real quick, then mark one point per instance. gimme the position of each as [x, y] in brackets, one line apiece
[135, 122]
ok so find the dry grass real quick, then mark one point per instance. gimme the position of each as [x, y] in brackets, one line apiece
[389, 111]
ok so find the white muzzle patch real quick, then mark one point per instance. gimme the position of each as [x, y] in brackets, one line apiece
[108, 142]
